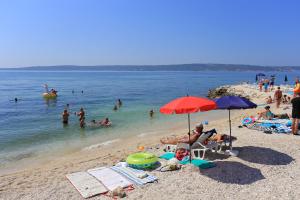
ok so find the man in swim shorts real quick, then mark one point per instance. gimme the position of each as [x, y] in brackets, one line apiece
[278, 97]
[295, 113]
[65, 116]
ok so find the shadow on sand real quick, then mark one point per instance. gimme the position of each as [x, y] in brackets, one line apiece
[265, 156]
[233, 173]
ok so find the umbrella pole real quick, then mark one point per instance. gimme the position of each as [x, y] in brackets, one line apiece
[189, 121]
[230, 142]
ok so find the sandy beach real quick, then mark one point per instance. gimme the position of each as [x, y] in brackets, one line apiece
[268, 166]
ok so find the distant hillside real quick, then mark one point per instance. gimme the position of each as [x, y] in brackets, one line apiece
[179, 67]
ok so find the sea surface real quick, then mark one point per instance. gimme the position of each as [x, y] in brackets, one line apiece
[32, 127]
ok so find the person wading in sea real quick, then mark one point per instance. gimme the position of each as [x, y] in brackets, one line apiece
[81, 115]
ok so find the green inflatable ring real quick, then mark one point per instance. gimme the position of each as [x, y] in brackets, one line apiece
[142, 160]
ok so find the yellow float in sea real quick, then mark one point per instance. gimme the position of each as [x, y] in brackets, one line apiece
[49, 95]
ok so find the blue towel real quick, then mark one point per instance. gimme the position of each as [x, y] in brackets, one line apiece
[202, 164]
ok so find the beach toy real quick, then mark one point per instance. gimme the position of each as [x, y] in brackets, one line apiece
[141, 148]
[141, 160]
[49, 95]
[247, 120]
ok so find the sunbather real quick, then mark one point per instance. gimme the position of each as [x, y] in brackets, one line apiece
[269, 100]
[184, 138]
[267, 114]
[214, 136]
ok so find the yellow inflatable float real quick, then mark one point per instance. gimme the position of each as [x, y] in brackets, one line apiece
[49, 95]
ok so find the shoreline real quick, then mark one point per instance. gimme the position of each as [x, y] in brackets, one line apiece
[48, 173]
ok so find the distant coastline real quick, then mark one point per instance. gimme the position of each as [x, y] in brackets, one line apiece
[175, 67]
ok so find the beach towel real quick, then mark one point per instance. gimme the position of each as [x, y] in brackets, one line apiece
[109, 178]
[86, 185]
[134, 175]
[202, 164]
[268, 126]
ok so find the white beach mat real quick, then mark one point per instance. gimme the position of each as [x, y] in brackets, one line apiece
[86, 184]
[109, 178]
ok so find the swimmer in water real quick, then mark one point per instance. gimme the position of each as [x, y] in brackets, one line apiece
[81, 115]
[119, 102]
[105, 122]
[65, 117]
[151, 113]
[115, 108]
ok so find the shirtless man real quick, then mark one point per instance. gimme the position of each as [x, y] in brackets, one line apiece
[65, 116]
[277, 97]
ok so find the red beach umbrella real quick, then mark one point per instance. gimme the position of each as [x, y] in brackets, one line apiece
[187, 105]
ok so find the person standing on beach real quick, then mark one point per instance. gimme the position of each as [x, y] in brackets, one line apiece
[272, 82]
[266, 85]
[81, 115]
[260, 84]
[65, 117]
[278, 97]
[295, 113]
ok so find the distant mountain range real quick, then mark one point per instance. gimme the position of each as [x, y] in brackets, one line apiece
[177, 67]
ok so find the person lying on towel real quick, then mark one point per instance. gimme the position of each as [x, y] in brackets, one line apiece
[268, 114]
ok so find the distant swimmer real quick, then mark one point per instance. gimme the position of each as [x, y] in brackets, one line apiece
[65, 116]
[119, 102]
[81, 115]
[82, 91]
[115, 108]
[151, 113]
[15, 100]
[68, 106]
[72, 91]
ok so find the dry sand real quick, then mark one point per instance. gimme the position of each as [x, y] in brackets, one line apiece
[268, 167]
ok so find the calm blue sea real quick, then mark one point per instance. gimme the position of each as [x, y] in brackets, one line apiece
[32, 126]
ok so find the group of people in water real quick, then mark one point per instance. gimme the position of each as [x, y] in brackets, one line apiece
[81, 117]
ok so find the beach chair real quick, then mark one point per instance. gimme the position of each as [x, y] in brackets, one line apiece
[199, 148]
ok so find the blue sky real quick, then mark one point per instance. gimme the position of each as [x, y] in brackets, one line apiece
[101, 32]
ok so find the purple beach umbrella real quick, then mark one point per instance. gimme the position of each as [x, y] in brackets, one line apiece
[233, 103]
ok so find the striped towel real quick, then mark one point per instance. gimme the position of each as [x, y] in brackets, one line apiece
[132, 175]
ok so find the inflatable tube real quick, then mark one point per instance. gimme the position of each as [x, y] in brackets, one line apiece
[49, 96]
[297, 88]
[247, 120]
[142, 160]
